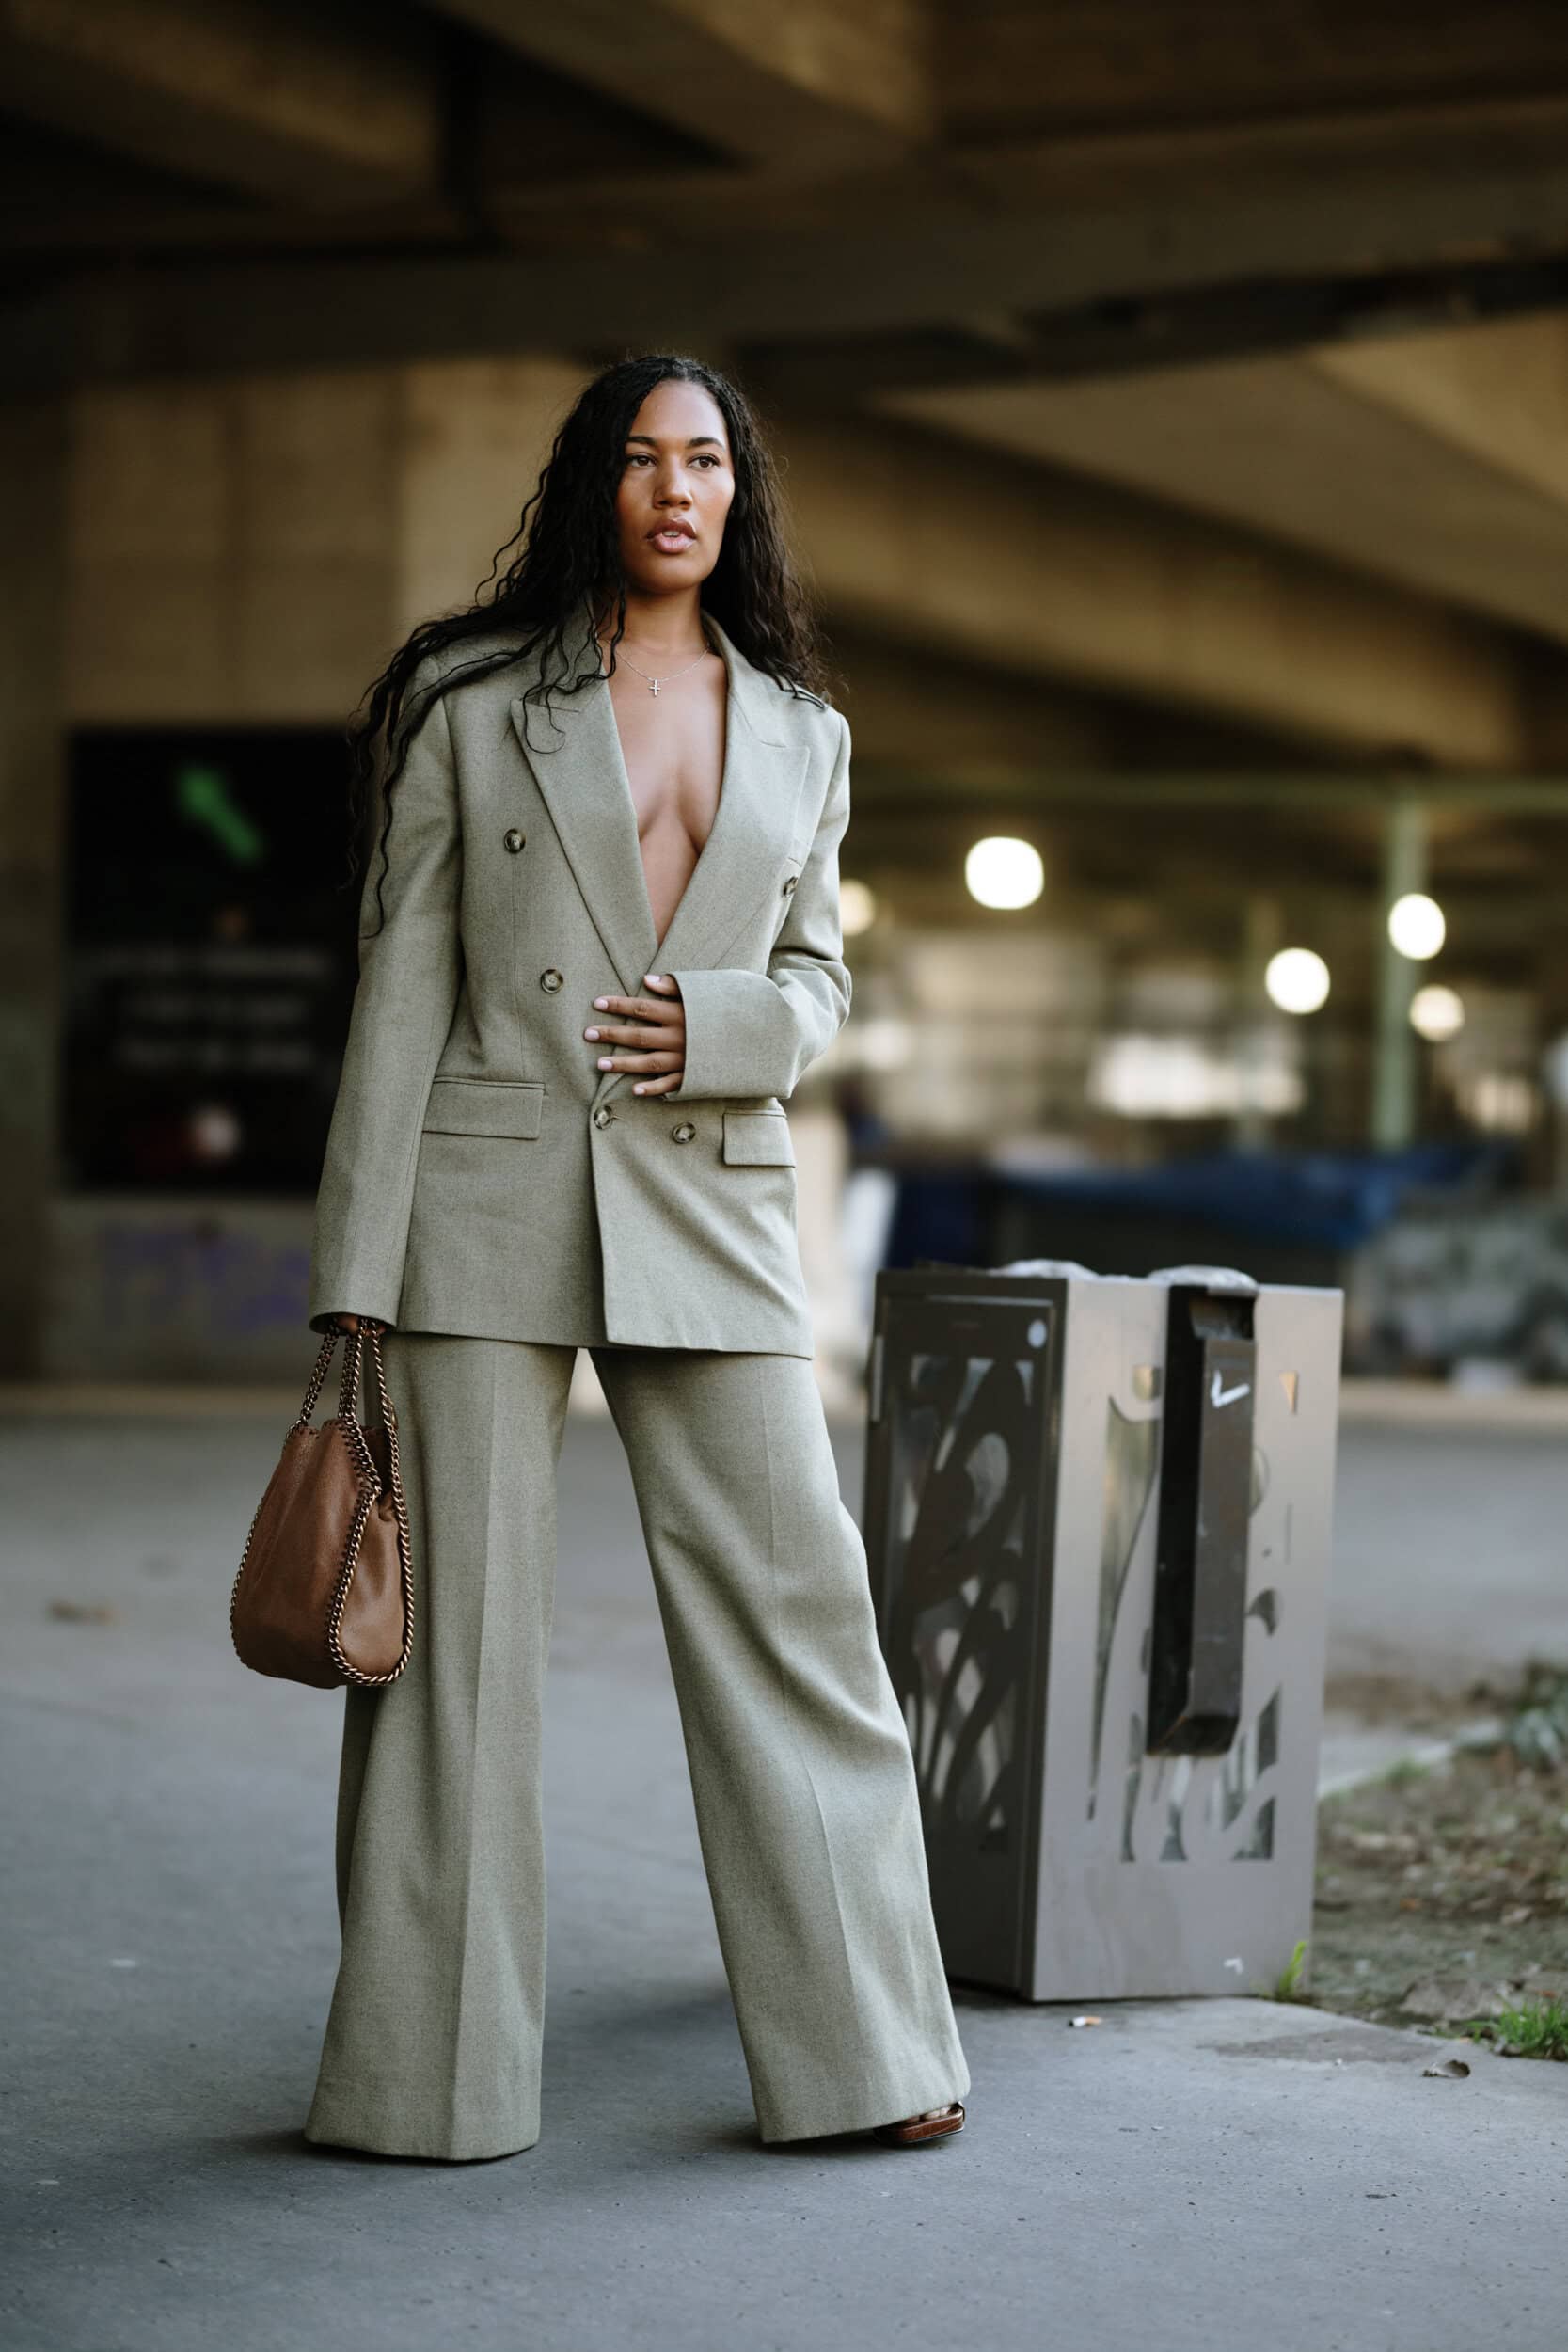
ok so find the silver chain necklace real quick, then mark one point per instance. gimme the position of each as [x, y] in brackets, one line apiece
[670, 676]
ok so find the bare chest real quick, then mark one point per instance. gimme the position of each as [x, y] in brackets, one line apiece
[673, 749]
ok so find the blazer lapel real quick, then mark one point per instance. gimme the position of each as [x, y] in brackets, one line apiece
[756, 824]
[574, 750]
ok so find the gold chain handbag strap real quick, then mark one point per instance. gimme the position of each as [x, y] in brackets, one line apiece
[348, 1395]
[317, 1381]
[301, 1421]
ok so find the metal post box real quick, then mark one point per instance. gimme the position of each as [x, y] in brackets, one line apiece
[1097, 1517]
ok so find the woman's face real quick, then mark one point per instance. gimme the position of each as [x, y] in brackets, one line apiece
[678, 481]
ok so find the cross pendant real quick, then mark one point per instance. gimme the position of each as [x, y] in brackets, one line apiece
[652, 686]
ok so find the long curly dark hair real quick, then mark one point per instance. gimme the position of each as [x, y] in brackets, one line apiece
[568, 561]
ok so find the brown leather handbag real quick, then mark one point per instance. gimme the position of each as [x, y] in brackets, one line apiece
[325, 1589]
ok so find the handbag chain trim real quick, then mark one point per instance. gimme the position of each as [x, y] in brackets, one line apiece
[369, 1496]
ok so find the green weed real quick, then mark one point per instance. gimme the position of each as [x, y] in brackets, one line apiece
[1537, 2029]
[1287, 1983]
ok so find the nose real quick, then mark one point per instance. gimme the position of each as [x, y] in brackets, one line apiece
[674, 492]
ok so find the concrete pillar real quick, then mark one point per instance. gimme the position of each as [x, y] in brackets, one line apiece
[1394, 1051]
[473, 435]
[234, 549]
[33, 473]
[242, 548]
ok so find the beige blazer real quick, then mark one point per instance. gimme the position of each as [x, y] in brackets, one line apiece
[481, 1174]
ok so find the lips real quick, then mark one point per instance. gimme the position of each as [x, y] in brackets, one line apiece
[673, 536]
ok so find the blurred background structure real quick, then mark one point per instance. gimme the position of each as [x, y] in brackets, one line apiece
[1173, 397]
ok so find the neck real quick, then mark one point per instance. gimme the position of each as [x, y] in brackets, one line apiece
[664, 628]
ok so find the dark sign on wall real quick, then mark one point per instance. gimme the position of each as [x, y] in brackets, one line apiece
[209, 958]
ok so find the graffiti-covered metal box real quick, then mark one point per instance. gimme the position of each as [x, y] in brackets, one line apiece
[1098, 1516]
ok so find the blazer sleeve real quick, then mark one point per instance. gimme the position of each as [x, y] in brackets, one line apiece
[409, 970]
[757, 1032]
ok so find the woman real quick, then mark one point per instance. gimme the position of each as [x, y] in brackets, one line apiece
[599, 943]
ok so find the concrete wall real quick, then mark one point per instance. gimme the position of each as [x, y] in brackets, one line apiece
[257, 548]
[232, 551]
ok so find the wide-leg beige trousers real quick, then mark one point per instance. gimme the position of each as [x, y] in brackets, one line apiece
[800, 1768]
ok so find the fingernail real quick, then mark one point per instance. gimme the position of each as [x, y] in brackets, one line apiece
[604, 1061]
[601, 1004]
[654, 980]
[637, 1089]
[591, 1033]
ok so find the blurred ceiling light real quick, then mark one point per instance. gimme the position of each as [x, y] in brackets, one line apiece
[1436, 1012]
[1500, 1101]
[214, 1131]
[1296, 980]
[1187, 1077]
[1004, 872]
[857, 907]
[1417, 927]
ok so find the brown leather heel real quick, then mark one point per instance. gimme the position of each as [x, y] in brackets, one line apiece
[918, 2131]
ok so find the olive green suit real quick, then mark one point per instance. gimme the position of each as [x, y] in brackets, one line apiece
[502, 1203]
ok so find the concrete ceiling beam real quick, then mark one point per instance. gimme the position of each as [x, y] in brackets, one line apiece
[1497, 395]
[974, 559]
[803, 85]
[984, 733]
[985, 238]
[1005, 65]
[1435, 460]
[280, 106]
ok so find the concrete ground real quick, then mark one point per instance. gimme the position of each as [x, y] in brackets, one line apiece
[1450, 1552]
[1205, 2175]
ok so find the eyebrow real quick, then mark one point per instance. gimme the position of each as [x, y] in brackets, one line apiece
[697, 440]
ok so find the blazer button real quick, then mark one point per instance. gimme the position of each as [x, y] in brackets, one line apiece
[684, 1133]
[549, 981]
[603, 1116]
[790, 880]
[514, 839]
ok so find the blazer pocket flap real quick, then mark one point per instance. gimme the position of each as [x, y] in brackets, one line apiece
[753, 1138]
[484, 1106]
